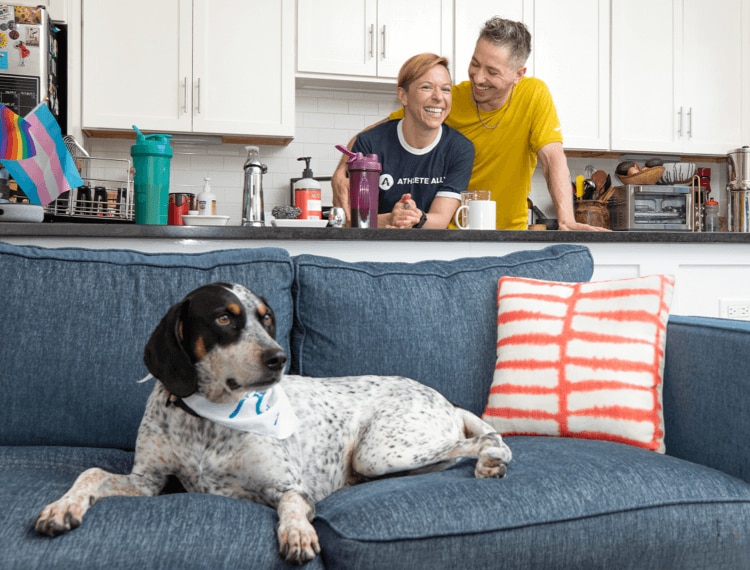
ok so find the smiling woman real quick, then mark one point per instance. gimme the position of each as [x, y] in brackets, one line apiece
[426, 164]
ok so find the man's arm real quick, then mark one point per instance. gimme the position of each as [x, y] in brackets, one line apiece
[556, 173]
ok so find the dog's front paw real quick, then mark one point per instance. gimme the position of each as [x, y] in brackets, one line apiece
[58, 518]
[298, 541]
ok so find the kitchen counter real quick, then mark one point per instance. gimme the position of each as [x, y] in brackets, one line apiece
[133, 231]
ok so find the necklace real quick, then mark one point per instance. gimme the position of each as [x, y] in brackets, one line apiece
[507, 106]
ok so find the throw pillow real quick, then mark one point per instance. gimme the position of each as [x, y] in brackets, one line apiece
[581, 360]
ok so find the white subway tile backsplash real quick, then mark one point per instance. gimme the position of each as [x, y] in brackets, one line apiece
[325, 118]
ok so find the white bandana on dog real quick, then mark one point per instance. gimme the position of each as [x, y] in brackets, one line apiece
[264, 413]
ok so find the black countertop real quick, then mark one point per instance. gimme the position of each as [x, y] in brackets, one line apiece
[125, 231]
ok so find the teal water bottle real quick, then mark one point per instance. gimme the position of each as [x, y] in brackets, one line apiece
[152, 155]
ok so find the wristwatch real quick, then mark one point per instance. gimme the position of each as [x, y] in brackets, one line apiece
[422, 221]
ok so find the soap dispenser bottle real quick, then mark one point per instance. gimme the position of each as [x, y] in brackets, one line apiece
[307, 194]
[206, 200]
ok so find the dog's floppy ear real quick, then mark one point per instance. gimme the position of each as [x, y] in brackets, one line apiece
[166, 358]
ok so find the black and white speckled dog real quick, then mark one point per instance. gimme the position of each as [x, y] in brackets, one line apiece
[214, 350]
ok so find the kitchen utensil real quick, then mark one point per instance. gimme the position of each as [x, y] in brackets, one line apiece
[579, 186]
[645, 176]
[738, 190]
[600, 178]
[203, 220]
[337, 217]
[607, 194]
[481, 215]
[252, 193]
[74, 148]
[299, 223]
[100, 200]
[12, 212]
[180, 203]
[738, 168]
[677, 173]
[83, 200]
[592, 212]
[738, 210]
[589, 187]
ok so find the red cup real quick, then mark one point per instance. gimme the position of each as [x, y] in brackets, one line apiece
[179, 203]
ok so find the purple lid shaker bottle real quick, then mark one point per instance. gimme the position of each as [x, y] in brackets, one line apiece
[364, 192]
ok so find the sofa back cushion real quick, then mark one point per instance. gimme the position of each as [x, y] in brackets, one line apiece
[434, 321]
[74, 324]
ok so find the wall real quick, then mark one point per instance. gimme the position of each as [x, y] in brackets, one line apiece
[324, 118]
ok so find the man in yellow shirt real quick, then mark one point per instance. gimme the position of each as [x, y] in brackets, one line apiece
[512, 121]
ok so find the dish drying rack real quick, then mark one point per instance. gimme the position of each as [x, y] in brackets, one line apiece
[106, 193]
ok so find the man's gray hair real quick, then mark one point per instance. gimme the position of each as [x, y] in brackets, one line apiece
[509, 34]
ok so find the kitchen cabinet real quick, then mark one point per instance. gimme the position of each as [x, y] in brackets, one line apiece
[189, 66]
[368, 39]
[570, 44]
[677, 75]
[470, 16]
[570, 53]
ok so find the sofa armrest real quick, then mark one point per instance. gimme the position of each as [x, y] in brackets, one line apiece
[707, 392]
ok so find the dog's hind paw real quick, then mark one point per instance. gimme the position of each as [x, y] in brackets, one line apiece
[491, 462]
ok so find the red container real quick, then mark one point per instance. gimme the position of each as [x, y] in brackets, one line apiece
[179, 203]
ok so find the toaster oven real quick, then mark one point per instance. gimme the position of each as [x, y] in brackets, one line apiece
[651, 207]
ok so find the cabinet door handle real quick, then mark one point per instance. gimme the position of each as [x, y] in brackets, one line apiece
[372, 40]
[679, 123]
[184, 95]
[382, 47]
[198, 95]
[690, 123]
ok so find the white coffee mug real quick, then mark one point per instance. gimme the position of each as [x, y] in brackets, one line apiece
[481, 215]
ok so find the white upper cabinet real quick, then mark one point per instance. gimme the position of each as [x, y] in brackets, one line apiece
[570, 53]
[570, 48]
[189, 66]
[677, 75]
[368, 39]
[470, 16]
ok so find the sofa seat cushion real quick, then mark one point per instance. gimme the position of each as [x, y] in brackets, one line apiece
[434, 321]
[81, 318]
[565, 503]
[169, 531]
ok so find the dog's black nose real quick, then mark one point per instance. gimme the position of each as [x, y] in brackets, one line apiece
[274, 359]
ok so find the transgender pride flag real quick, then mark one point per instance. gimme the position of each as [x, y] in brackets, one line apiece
[15, 140]
[52, 170]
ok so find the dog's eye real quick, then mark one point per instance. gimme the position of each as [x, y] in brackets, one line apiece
[223, 319]
[266, 319]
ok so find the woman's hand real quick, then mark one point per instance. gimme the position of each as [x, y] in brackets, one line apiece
[405, 213]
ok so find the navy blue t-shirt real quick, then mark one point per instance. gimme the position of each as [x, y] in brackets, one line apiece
[442, 169]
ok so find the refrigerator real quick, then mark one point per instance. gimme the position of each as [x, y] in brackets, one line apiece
[28, 59]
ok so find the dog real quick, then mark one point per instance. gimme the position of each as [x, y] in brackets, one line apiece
[216, 360]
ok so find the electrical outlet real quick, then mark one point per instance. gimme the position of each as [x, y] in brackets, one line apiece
[738, 309]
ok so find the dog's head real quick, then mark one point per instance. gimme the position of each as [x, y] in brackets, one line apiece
[218, 341]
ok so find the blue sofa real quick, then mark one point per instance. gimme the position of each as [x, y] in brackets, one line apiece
[74, 323]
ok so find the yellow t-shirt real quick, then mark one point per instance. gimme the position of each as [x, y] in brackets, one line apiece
[506, 155]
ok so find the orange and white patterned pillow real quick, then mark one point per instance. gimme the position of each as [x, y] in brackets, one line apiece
[581, 360]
